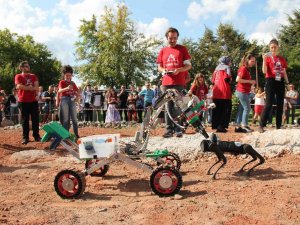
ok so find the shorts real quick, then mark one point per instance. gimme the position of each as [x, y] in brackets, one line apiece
[258, 109]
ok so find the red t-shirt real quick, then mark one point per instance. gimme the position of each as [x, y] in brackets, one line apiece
[26, 79]
[63, 84]
[200, 91]
[244, 74]
[172, 58]
[221, 88]
[279, 63]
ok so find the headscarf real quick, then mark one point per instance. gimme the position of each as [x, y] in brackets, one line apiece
[224, 64]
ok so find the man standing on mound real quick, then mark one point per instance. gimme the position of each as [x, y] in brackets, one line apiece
[174, 63]
[28, 85]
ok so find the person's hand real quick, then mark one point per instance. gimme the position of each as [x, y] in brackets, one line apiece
[176, 71]
[70, 87]
[252, 81]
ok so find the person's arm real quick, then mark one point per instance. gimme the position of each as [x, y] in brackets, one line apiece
[244, 81]
[186, 67]
[25, 87]
[264, 64]
[285, 76]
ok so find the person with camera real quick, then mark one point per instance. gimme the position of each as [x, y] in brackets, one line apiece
[68, 93]
[274, 67]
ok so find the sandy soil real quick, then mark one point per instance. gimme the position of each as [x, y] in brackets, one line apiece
[270, 196]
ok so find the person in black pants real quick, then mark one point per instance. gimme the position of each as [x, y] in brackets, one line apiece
[274, 66]
[123, 95]
[28, 85]
[221, 95]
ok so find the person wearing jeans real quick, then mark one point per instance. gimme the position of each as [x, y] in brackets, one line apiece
[68, 93]
[244, 83]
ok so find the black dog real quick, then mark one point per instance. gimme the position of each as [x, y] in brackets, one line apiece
[220, 147]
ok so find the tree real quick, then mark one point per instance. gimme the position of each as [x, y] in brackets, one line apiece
[227, 41]
[15, 48]
[289, 37]
[112, 51]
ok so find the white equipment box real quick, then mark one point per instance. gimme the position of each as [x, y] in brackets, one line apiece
[98, 146]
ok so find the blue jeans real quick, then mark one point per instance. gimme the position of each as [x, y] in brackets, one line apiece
[244, 108]
[67, 111]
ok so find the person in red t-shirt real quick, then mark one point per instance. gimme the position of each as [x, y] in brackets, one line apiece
[28, 85]
[274, 66]
[199, 87]
[221, 94]
[244, 83]
[174, 63]
[68, 93]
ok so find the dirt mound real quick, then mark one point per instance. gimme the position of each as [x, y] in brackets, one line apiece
[270, 196]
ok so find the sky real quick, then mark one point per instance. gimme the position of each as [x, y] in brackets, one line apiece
[55, 23]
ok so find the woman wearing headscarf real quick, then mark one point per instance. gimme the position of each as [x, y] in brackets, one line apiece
[221, 94]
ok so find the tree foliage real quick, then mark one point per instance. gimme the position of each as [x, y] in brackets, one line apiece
[15, 48]
[289, 37]
[227, 41]
[112, 51]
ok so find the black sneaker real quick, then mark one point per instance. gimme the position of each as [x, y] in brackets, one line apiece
[168, 134]
[247, 129]
[221, 130]
[25, 141]
[240, 130]
[261, 129]
[38, 138]
[178, 134]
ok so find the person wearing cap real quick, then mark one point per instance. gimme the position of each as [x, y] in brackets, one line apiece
[274, 67]
[27, 85]
[174, 62]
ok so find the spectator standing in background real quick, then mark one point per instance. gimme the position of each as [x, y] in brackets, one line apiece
[259, 104]
[48, 109]
[199, 87]
[222, 95]
[112, 114]
[68, 92]
[139, 104]
[291, 97]
[274, 66]
[12, 106]
[97, 102]
[87, 101]
[243, 88]
[123, 95]
[147, 94]
[27, 85]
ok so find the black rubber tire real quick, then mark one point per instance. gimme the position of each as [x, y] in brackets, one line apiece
[174, 158]
[172, 178]
[98, 173]
[78, 179]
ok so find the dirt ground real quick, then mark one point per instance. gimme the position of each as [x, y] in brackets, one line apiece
[271, 196]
